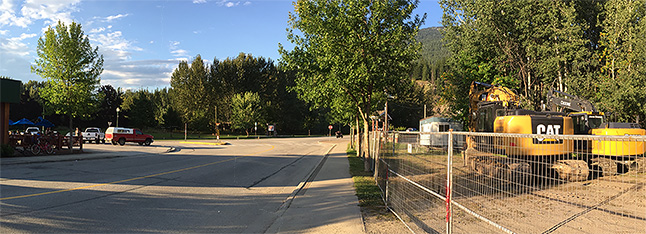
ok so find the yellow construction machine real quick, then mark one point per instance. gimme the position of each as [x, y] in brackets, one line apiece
[611, 156]
[495, 109]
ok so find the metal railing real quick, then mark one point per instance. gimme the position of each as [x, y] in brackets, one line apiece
[460, 182]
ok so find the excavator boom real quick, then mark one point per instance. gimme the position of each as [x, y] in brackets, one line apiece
[570, 102]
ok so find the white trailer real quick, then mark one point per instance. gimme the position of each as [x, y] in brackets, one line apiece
[431, 128]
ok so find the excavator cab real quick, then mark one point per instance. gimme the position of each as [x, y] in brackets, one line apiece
[584, 122]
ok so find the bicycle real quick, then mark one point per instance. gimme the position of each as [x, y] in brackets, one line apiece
[42, 145]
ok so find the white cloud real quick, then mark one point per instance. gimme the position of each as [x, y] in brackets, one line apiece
[228, 3]
[247, 3]
[49, 10]
[15, 57]
[139, 74]
[8, 15]
[6, 5]
[97, 30]
[113, 17]
[113, 46]
[179, 53]
[176, 51]
[17, 51]
[15, 45]
[199, 1]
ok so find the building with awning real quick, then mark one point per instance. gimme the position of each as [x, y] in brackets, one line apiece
[9, 93]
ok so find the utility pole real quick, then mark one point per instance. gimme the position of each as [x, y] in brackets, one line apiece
[217, 125]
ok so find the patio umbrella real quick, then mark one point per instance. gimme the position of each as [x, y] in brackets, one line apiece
[23, 121]
[44, 123]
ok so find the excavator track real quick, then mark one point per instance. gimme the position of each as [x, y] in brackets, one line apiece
[571, 170]
[512, 169]
[496, 166]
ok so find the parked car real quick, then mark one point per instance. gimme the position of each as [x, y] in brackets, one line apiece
[122, 135]
[93, 134]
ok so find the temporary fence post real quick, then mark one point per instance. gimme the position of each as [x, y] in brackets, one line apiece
[376, 169]
[449, 184]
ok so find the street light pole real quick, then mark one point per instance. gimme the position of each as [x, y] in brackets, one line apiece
[118, 116]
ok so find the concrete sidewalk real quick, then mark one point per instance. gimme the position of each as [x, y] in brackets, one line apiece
[325, 204]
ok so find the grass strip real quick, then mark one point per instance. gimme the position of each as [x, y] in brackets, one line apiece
[366, 189]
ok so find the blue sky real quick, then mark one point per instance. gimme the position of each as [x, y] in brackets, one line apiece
[142, 41]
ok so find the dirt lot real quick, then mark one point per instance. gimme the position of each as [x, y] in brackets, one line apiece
[382, 222]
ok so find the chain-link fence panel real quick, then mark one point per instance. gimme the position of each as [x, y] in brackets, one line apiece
[515, 182]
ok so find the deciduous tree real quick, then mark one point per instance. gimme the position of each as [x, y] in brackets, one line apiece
[350, 51]
[72, 68]
[247, 110]
[194, 93]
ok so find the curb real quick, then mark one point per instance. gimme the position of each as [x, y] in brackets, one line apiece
[77, 157]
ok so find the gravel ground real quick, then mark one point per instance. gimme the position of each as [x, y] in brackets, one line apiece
[382, 221]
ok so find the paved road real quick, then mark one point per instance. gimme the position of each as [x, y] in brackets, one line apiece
[237, 188]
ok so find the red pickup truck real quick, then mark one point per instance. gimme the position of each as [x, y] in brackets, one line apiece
[123, 135]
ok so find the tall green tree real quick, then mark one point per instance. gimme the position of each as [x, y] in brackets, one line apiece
[243, 73]
[112, 99]
[622, 89]
[530, 46]
[72, 68]
[139, 108]
[194, 93]
[351, 51]
[247, 110]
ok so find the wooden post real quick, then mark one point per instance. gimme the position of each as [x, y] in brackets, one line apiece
[4, 122]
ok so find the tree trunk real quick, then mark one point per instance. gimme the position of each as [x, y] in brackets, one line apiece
[358, 135]
[366, 143]
[351, 136]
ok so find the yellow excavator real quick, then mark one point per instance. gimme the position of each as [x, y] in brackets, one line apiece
[495, 109]
[609, 155]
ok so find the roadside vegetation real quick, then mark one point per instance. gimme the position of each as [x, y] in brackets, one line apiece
[347, 65]
[366, 188]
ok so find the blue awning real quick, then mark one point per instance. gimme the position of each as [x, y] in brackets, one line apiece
[44, 123]
[23, 121]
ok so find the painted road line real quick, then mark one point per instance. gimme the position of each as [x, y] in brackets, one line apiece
[131, 179]
[203, 143]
